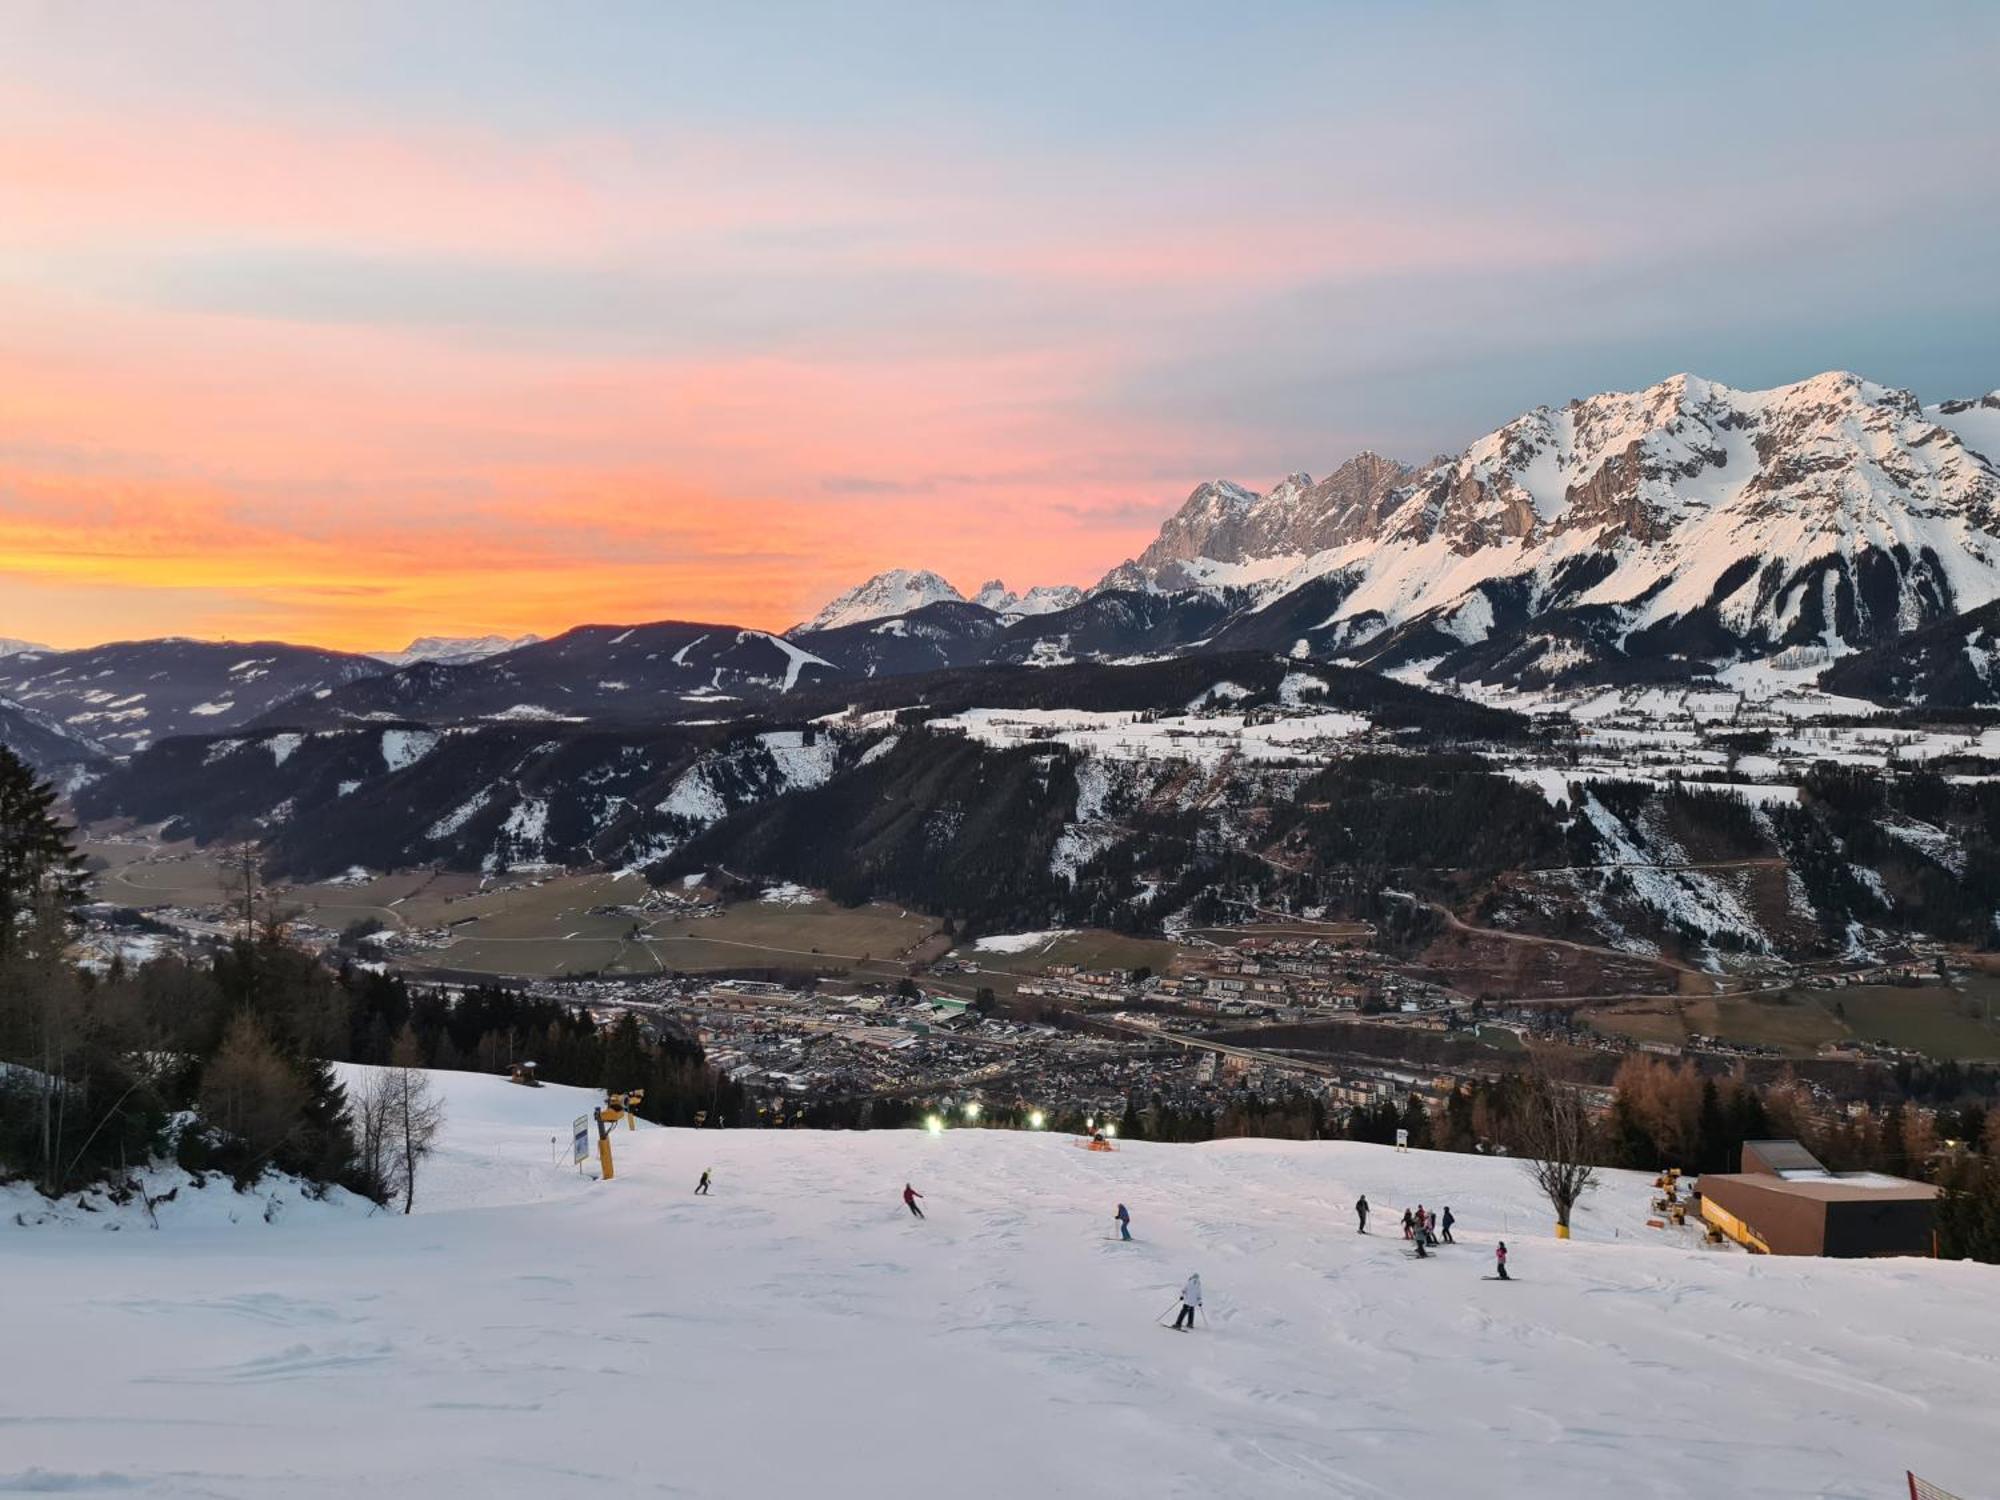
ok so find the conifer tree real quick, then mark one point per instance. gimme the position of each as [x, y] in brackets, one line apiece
[39, 865]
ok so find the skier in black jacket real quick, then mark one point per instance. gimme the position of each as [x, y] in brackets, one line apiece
[1361, 1212]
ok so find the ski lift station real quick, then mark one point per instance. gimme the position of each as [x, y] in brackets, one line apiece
[1786, 1202]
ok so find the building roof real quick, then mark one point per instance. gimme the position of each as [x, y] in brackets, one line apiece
[1785, 1156]
[1855, 1187]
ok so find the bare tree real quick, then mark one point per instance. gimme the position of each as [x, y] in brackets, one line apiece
[250, 1091]
[1559, 1145]
[373, 1105]
[245, 863]
[416, 1114]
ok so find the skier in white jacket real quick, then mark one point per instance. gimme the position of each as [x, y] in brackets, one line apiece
[1190, 1300]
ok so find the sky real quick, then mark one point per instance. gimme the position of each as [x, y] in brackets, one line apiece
[346, 323]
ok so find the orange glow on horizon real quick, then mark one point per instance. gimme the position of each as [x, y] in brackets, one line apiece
[346, 385]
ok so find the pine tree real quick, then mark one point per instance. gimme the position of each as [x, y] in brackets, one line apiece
[1711, 1132]
[1417, 1121]
[39, 865]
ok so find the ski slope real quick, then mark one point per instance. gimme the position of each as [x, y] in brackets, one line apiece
[529, 1333]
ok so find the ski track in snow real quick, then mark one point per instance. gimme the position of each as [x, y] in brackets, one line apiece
[531, 1333]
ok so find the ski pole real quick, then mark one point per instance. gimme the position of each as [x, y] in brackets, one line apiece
[1170, 1307]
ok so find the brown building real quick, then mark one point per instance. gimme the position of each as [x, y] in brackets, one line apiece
[1785, 1202]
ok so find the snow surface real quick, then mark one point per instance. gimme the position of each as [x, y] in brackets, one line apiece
[1021, 942]
[795, 659]
[529, 1332]
[405, 747]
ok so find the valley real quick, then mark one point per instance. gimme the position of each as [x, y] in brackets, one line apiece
[1550, 751]
[733, 739]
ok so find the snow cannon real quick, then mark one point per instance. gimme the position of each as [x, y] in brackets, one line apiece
[616, 1107]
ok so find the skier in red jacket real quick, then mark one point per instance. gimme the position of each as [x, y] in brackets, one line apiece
[1500, 1260]
[910, 1197]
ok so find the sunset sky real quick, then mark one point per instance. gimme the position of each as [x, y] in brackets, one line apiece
[355, 322]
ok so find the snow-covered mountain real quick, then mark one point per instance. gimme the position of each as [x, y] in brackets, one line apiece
[453, 650]
[1227, 534]
[126, 695]
[901, 591]
[1683, 524]
[1043, 599]
[895, 592]
[9, 646]
[41, 741]
[628, 674]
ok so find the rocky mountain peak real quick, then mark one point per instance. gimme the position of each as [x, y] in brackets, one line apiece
[1225, 524]
[895, 592]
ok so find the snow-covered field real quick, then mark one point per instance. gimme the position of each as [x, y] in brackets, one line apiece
[1204, 739]
[531, 1333]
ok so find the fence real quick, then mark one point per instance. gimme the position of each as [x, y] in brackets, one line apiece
[1923, 1489]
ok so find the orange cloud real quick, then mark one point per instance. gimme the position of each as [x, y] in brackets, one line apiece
[838, 358]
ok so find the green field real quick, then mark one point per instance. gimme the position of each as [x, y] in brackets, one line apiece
[142, 875]
[1939, 1022]
[416, 899]
[548, 929]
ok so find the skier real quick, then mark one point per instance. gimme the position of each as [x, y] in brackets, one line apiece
[1448, 1221]
[1409, 1223]
[910, 1197]
[1361, 1212]
[1422, 1253]
[1500, 1261]
[701, 1188]
[1190, 1300]
[1423, 1226]
[1124, 1223]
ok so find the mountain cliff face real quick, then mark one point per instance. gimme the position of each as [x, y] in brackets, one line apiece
[1227, 534]
[1042, 599]
[1628, 533]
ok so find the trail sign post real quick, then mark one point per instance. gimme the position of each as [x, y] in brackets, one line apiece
[579, 1142]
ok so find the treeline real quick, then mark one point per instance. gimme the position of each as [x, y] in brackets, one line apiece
[489, 1029]
[225, 1061]
[939, 822]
